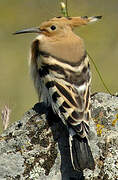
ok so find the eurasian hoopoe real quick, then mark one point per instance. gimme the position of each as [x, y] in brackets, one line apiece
[61, 73]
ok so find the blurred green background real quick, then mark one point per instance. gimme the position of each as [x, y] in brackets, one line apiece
[101, 40]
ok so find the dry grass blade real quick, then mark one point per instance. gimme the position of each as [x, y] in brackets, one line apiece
[5, 116]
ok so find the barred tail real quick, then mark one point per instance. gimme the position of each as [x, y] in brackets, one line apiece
[81, 154]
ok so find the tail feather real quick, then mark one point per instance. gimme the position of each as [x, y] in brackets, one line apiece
[81, 154]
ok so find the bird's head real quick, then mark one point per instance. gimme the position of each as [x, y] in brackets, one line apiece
[55, 36]
[59, 25]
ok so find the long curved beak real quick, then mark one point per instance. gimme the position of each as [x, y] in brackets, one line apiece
[29, 30]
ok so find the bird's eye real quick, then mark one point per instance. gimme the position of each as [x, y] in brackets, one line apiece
[53, 27]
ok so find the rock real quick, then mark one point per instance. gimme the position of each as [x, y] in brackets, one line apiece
[36, 147]
[105, 142]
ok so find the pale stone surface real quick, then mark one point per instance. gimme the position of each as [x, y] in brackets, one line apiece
[30, 149]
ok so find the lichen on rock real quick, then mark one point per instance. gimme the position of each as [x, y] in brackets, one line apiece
[36, 147]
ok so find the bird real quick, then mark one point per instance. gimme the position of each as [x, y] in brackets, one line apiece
[60, 70]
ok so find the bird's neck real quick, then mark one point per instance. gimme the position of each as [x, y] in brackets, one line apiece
[69, 47]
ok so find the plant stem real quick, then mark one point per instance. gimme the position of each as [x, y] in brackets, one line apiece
[105, 86]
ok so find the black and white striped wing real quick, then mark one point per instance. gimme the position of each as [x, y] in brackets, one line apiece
[69, 92]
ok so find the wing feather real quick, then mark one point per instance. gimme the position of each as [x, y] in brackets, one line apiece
[70, 99]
